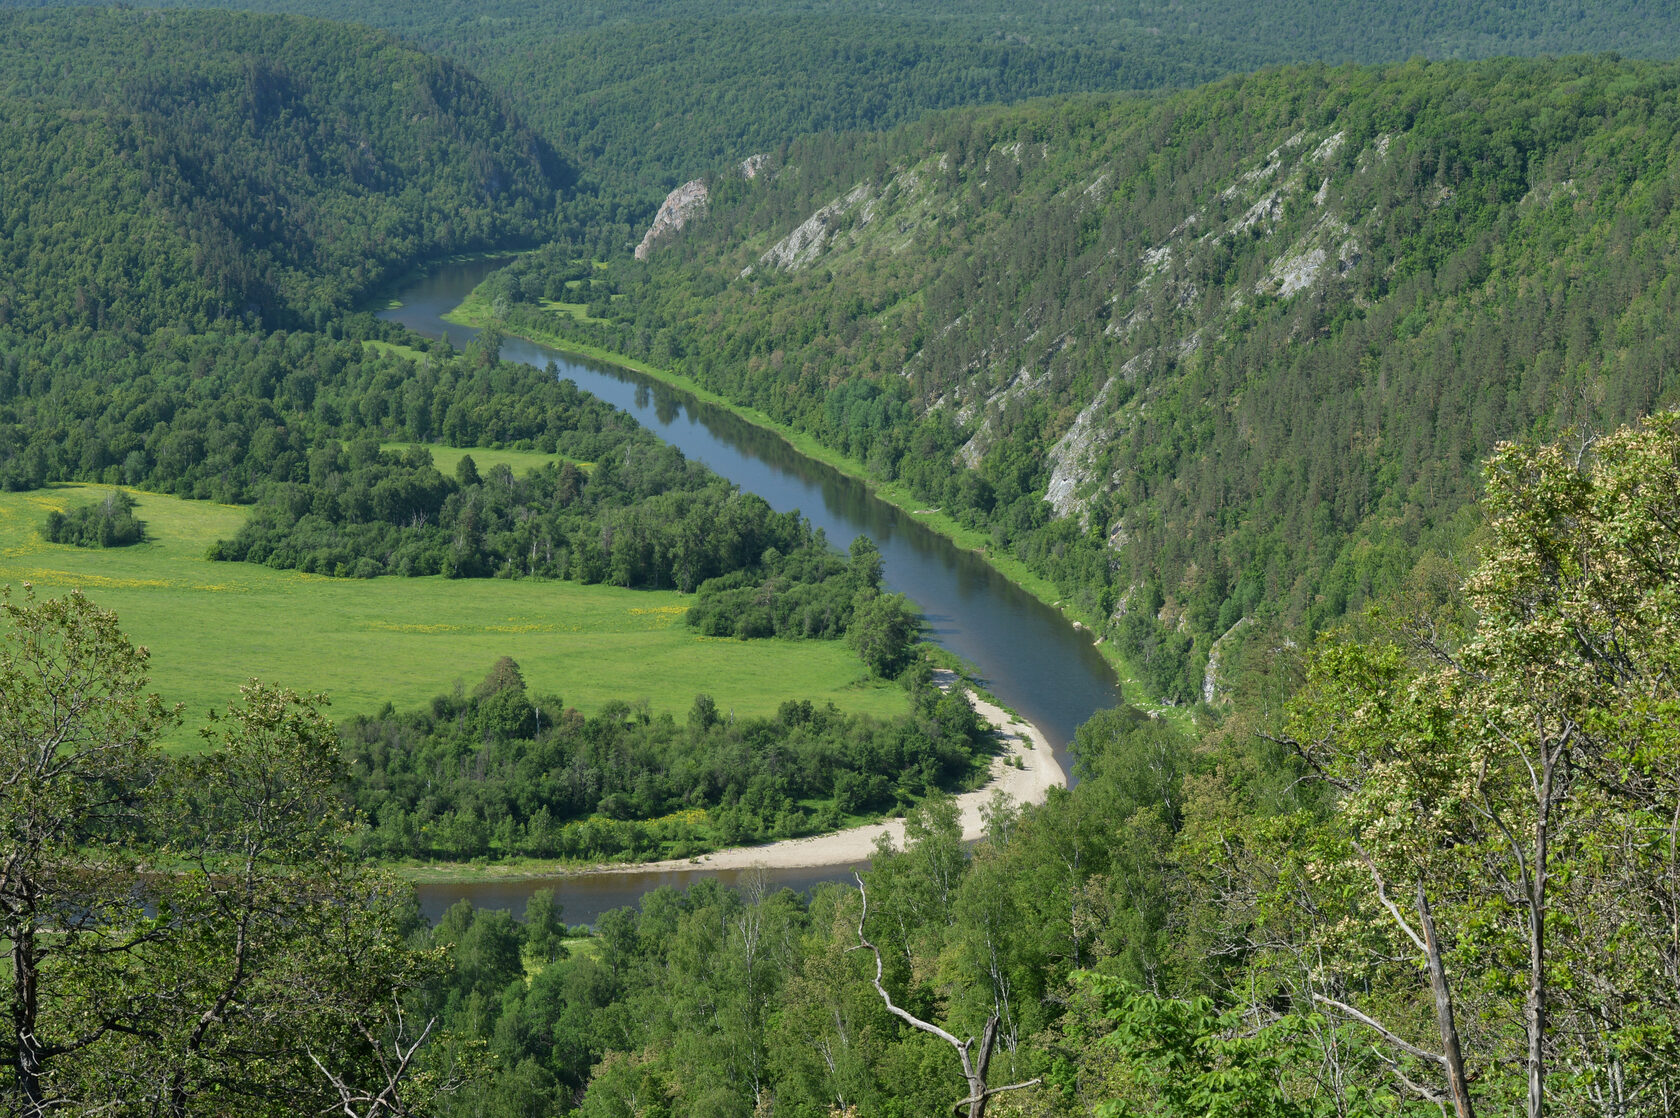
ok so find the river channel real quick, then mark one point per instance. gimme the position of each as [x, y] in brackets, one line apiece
[1026, 653]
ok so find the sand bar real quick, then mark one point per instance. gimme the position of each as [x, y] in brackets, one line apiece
[1030, 784]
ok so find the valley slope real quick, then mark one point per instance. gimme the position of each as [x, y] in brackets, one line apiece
[199, 168]
[1224, 355]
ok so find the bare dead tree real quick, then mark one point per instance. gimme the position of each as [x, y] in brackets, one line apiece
[1450, 1059]
[973, 1065]
[383, 1099]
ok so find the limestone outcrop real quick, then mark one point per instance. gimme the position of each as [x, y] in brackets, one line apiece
[681, 206]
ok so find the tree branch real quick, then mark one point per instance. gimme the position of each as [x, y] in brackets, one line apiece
[1372, 1023]
[973, 1071]
[1382, 895]
[903, 1015]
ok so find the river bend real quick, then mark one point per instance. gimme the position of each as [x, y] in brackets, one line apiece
[1026, 653]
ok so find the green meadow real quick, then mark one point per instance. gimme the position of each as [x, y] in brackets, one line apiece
[408, 352]
[211, 626]
[445, 458]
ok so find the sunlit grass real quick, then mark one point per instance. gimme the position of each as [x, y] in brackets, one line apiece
[445, 458]
[210, 626]
[404, 351]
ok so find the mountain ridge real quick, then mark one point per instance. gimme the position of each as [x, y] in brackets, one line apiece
[1249, 340]
[227, 167]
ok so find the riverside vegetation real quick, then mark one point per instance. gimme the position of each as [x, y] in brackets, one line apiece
[1396, 888]
[206, 394]
[1205, 361]
[1420, 854]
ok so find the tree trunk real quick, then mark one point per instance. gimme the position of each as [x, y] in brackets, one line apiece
[1534, 1009]
[1452, 1055]
[977, 1073]
[27, 1057]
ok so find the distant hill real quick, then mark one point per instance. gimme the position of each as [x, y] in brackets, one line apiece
[190, 168]
[1228, 354]
[648, 93]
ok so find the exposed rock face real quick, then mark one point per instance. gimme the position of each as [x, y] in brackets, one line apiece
[1286, 212]
[800, 247]
[1070, 454]
[753, 164]
[681, 206]
[1211, 688]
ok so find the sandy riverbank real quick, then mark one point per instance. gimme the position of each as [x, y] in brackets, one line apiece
[1030, 784]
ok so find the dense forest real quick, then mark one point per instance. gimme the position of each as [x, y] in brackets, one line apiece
[1334, 372]
[645, 95]
[481, 774]
[199, 170]
[1224, 357]
[1441, 872]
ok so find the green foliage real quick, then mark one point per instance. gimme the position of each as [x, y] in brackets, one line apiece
[367, 642]
[1257, 332]
[544, 930]
[1185, 1058]
[884, 631]
[76, 760]
[110, 523]
[179, 936]
[1510, 773]
[1228, 903]
[809, 593]
[643, 517]
[499, 773]
[232, 169]
[648, 94]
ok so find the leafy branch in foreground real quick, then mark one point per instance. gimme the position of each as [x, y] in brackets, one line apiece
[75, 741]
[1520, 775]
[184, 936]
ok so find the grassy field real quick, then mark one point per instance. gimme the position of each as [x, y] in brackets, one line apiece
[578, 311]
[484, 457]
[407, 352]
[210, 626]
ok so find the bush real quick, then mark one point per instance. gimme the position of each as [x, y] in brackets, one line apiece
[110, 523]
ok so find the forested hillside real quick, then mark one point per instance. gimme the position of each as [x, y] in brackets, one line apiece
[1232, 367]
[196, 182]
[1443, 874]
[1211, 357]
[1443, 870]
[198, 169]
[648, 94]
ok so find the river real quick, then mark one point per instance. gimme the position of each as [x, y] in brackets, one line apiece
[1026, 653]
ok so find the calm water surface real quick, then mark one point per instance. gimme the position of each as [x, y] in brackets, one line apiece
[1026, 653]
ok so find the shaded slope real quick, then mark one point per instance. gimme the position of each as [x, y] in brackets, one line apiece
[186, 168]
[649, 93]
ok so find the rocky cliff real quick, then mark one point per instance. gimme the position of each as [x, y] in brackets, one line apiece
[681, 206]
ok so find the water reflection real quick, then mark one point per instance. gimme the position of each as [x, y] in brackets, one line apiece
[584, 897]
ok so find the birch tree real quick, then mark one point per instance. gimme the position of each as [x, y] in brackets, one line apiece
[1509, 792]
[77, 734]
